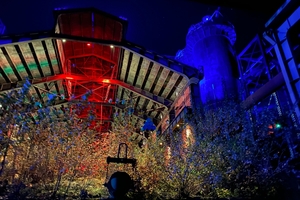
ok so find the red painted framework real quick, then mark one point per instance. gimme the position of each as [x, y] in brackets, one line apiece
[89, 67]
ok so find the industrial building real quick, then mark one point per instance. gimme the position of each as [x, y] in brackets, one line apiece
[87, 52]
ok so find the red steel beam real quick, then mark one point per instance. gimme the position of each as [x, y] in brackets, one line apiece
[98, 80]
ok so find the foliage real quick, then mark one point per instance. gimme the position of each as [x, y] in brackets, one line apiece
[230, 154]
[50, 151]
[233, 155]
[46, 147]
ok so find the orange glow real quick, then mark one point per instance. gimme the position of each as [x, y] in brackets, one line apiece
[188, 132]
[105, 81]
[270, 126]
[69, 78]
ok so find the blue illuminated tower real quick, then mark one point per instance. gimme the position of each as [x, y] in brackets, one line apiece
[209, 48]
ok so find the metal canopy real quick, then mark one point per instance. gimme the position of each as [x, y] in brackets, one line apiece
[31, 60]
[73, 65]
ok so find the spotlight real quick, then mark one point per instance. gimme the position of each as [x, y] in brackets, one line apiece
[205, 18]
[277, 125]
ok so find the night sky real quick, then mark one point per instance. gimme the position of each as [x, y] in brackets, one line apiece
[157, 25]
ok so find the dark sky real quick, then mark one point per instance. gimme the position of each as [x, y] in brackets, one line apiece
[158, 25]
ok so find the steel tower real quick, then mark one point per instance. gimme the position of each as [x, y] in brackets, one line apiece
[209, 48]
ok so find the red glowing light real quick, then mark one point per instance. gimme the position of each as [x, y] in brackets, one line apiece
[105, 81]
[69, 78]
[88, 44]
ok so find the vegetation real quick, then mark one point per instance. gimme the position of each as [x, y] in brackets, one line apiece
[229, 155]
[46, 152]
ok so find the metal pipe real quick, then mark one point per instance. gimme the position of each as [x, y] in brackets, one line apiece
[264, 91]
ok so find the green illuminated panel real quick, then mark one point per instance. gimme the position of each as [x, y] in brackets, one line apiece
[32, 66]
[44, 64]
[40, 53]
[34, 70]
[8, 70]
[20, 68]
[16, 60]
[29, 59]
